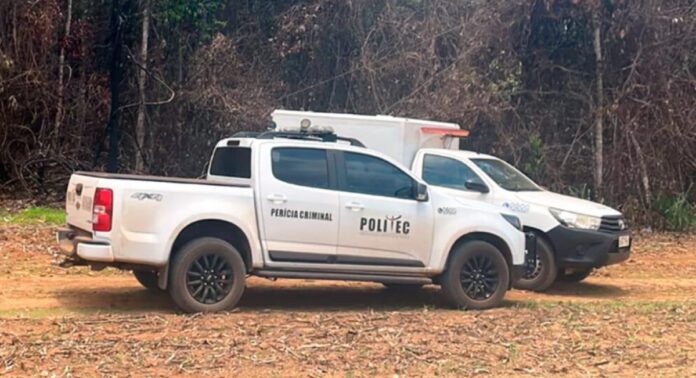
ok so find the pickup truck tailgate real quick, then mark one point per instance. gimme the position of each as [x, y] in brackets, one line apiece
[78, 201]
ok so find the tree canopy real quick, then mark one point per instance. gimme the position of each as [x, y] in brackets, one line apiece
[593, 98]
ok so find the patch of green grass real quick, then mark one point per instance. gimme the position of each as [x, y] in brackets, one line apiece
[39, 313]
[648, 306]
[638, 306]
[34, 215]
[56, 312]
[678, 212]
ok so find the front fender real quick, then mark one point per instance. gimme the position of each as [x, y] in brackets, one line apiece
[447, 235]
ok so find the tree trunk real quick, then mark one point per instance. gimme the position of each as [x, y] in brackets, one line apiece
[61, 75]
[142, 76]
[644, 176]
[599, 107]
[115, 73]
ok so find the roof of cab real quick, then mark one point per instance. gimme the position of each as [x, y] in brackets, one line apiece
[248, 142]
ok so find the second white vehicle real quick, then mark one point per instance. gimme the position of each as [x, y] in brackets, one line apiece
[574, 235]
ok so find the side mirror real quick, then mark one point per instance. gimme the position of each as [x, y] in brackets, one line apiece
[421, 192]
[476, 186]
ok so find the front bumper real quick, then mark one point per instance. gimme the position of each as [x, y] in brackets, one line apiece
[584, 249]
[74, 243]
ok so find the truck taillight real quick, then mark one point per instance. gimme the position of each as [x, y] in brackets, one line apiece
[102, 209]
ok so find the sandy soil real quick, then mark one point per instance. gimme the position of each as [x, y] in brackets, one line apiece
[637, 318]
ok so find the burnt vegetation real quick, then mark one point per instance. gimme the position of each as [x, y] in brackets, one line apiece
[592, 98]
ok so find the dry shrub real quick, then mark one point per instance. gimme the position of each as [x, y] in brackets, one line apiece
[521, 75]
[223, 94]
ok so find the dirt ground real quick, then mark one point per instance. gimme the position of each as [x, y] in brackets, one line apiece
[637, 318]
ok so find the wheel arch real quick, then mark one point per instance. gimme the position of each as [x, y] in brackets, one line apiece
[217, 228]
[493, 239]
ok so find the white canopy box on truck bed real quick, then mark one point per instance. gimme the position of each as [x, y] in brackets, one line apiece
[400, 138]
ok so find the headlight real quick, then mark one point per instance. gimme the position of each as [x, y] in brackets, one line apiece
[513, 220]
[575, 220]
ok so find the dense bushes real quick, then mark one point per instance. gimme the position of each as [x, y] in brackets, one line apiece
[537, 82]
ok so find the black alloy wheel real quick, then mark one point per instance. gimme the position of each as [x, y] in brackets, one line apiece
[479, 277]
[533, 269]
[476, 277]
[207, 275]
[209, 278]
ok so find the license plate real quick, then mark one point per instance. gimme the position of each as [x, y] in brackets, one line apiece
[624, 241]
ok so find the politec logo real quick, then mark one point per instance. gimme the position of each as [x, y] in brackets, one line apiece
[386, 225]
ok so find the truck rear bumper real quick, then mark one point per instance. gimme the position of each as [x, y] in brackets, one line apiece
[73, 242]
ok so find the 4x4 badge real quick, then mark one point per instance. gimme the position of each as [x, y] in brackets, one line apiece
[147, 196]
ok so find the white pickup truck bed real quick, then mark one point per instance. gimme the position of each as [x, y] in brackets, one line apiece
[148, 214]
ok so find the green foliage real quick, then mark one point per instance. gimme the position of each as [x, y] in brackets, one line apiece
[199, 16]
[534, 163]
[34, 215]
[509, 76]
[677, 211]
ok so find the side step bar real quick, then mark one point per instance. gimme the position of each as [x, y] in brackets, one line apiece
[384, 278]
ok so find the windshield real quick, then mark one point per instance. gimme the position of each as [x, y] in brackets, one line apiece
[506, 175]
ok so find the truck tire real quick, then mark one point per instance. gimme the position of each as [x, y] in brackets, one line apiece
[402, 286]
[544, 273]
[207, 275]
[575, 276]
[477, 276]
[147, 278]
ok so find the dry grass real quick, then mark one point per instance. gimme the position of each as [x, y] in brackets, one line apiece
[633, 319]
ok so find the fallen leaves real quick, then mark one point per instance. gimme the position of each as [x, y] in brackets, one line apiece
[514, 340]
[310, 328]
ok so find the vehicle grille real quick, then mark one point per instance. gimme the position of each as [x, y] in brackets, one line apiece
[613, 224]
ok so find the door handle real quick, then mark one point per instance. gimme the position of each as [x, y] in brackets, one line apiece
[277, 198]
[355, 206]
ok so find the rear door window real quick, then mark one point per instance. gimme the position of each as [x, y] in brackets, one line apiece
[301, 166]
[231, 162]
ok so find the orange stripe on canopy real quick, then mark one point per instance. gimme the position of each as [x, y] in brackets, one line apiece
[445, 131]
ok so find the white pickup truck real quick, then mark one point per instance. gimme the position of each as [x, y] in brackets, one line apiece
[291, 205]
[574, 236]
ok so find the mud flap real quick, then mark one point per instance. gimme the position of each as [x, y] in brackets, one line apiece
[530, 251]
[163, 277]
